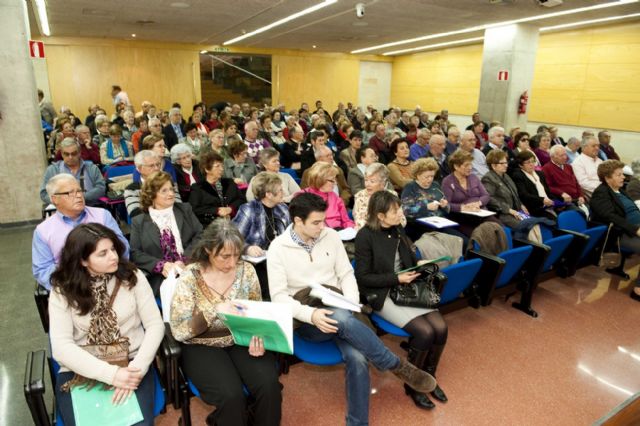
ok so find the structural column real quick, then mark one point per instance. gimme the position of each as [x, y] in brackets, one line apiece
[22, 155]
[508, 63]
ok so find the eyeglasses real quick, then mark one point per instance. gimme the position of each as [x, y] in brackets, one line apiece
[152, 166]
[70, 154]
[502, 162]
[70, 194]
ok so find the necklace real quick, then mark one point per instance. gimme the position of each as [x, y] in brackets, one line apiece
[220, 294]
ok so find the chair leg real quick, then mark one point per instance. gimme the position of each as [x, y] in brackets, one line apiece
[526, 295]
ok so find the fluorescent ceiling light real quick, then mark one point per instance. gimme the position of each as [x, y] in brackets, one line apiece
[42, 17]
[306, 11]
[590, 21]
[497, 24]
[433, 46]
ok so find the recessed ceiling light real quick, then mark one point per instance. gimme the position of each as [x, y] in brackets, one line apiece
[433, 46]
[180, 5]
[203, 52]
[133, 35]
[497, 24]
[42, 17]
[590, 21]
[314, 46]
[279, 22]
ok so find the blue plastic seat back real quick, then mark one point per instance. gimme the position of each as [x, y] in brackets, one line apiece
[459, 278]
[291, 173]
[387, 327]
[572, 220]
[557, 244]
[317, 353]
[514, 260]
[507, 232]
[114, 171]
[595, 235]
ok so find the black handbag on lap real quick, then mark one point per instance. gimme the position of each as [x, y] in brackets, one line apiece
[421, 293]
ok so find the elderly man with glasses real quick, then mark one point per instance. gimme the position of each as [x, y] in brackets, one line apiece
[67, 196]
[86, 173]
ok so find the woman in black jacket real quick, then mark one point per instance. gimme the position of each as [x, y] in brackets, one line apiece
[610, 204]
[382, 250]
[214, 196]
[532, 186]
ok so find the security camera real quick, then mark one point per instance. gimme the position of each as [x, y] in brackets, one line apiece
[360, 10]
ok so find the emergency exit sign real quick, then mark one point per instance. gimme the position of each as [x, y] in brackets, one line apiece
[503, 75]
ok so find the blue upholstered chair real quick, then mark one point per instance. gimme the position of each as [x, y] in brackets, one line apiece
[575, 222]
[291, 173]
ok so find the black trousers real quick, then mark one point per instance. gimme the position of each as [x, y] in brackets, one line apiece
[219, 373]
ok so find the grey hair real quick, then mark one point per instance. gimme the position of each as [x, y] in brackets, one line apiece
[81, 127]
[54, 183]
[220, 233]
[586, 140]
[378, 169]
[267, 154]
[321, 151]
[572, 139]
[174, 111]
[67, 142]
[557, 150]
[178, 150]
[265, 182]
[154, 120]
[143, 155]
[101, 119]
[494, 130]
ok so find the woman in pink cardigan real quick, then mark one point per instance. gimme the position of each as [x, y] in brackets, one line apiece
[322, 182]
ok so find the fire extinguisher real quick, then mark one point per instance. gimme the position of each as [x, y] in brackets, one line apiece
[522, 105]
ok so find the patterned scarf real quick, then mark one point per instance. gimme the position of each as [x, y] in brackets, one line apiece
[103, 327]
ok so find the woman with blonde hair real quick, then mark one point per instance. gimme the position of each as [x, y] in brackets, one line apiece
[322, 181]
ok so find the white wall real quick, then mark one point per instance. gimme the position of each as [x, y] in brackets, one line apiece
[375, 84]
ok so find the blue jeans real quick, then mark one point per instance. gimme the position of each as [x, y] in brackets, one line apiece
[358, 345]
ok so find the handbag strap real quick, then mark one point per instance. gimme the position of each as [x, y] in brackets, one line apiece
[114, 293]
[606, 240]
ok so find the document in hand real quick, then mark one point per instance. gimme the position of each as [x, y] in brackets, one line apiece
[331, 298]
[95, 408]
[437, 222]
[255, 259]
[273, 322]
[423, 264]
[347, 234]
[480, 213]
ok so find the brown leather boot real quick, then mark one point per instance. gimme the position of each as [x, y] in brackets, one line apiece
[414, 377]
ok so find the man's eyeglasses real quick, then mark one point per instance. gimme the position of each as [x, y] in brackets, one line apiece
[70, 194]
[70, 154]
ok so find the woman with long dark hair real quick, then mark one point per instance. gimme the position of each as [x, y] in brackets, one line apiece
[100, 298]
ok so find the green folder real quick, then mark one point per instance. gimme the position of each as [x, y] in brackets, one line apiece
[423, 266]
[94, 408]
[244, 328]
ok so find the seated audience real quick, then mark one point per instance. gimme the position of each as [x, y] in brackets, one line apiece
[194, 139]
[606, 150]
[263, 219]
[572, 148]
[560, 178]
[215, 196]
[99, 298]
[239, 166]
[89, 151]
[102, 126]
[542, 151]
[217, 367]
[633, 187]
[310, 252]
[116, 148]
[293, 149]
[142, 124]
[201, 128]
[147, 162]
[365, 157]
[420, 148]
[555, 139]
[464, 192]
[585, 166]
[437, 145]
[324, 155]
[400, 167]
[423, 197]
[348, 155]
[87, 173]
[468, 145]
[504, 200]
[187, 169]
[309, 156]
[129, 124]
[173, 132]
[532, 186]
[322, 182]
[163, 236]
[216, 144]
[49, 236]
[496, 141]
[382, 251]
[378, 143]
[480, 132]
[610, 204]
[253, 142]
[453, 141]
[270, 162]
[376, 178]
[156, 144]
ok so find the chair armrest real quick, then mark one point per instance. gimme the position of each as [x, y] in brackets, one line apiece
[489, 271]
[34, 387]
[170, 347]
[41, 297]
[440, 280]
[170, 352]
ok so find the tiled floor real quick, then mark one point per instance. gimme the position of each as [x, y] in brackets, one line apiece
[570, 366]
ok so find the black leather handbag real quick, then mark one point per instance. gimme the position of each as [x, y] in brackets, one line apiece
[421, 293]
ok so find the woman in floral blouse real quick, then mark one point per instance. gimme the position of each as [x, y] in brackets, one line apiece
[376, 178]
[217, 367]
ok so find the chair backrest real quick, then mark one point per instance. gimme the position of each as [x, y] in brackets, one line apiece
[114, 171]
[572, 220]
[316, 353]
[514, 260]
[459, 278]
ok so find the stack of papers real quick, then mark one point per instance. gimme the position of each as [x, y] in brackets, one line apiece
[437, 222]
[331, 298]
[273, 322]
[347, 234]
[255, 259]
[480, 213]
